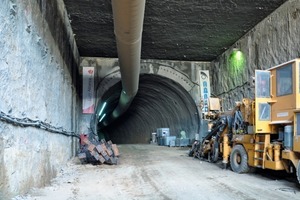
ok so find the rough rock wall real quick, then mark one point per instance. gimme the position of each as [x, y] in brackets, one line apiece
[185, 73]
[273, 41]
[38, 80]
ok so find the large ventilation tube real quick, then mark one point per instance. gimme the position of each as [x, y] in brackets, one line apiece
[128, 24]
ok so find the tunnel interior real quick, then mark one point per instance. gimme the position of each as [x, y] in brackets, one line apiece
[159, 103]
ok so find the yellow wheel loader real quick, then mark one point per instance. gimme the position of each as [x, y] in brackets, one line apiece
[263, 132]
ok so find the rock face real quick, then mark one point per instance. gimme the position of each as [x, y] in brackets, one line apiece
[38, 80]
[173, 30]
[273, 41]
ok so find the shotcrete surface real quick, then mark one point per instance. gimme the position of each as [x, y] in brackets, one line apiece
[158, 172]
[173, 30]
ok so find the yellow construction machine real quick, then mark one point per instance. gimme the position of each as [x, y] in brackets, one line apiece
[263, 132]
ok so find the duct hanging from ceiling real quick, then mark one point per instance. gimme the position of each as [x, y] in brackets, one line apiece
[128, 26]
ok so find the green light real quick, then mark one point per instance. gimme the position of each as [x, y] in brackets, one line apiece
[102, 117]
[236, 62]
[102, 109]
[239, 56]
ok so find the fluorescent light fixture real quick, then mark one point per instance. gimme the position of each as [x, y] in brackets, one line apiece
[102, 117]
[102, 109]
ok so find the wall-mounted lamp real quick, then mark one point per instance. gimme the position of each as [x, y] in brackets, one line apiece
[237, 60]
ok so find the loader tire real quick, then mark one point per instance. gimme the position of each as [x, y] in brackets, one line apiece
[239, 160]
[298, 172]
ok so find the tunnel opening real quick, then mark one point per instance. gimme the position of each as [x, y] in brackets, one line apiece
[159, 103]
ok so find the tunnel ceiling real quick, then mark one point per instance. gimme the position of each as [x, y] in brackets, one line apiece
[173, 29]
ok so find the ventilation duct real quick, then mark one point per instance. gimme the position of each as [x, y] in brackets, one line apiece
[128, 26]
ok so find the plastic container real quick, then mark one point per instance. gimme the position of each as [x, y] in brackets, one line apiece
[184, 142]
[172, 143]
[160, 140]
[168, 139]
[162, 132]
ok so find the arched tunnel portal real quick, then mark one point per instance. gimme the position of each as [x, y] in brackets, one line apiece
[159, 103]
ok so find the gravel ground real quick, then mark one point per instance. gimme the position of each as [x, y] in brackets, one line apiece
[157, 172]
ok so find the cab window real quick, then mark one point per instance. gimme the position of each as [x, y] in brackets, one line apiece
[284, 81]
[262, 84]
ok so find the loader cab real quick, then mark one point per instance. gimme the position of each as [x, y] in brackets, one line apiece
[284, 79]
[277, 101]
[277, 95]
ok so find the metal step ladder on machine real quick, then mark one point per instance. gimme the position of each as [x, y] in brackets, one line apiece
[260, 149]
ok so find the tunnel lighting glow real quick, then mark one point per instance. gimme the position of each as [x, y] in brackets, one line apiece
[239, 55]
[102, 109]
[102, 117]
[237, 61]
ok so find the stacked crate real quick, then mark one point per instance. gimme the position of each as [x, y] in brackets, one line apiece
[180, 142]
[162, 133]
[164, 138]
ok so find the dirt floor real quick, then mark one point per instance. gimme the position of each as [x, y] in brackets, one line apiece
[158, 172]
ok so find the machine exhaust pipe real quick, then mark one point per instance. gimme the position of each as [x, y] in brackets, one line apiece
[128, 26]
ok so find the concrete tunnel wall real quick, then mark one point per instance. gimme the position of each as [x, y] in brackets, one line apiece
[168, 96]
[38, 80]
[273, 41]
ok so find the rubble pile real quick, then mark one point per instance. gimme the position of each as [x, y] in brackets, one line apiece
[97, 152]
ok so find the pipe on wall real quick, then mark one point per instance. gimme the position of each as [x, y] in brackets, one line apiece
[128, 26]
